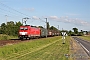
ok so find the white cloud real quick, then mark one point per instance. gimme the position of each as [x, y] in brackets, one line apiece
[53, 17]
[36, 18]
[66, 19]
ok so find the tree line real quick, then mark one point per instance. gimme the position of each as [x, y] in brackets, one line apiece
[75, 32]
[12, 28]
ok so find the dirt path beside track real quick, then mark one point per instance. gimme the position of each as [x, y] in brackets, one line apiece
[77, 52]
[8, 42]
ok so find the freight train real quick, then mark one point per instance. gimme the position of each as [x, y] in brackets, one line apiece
[29, 32]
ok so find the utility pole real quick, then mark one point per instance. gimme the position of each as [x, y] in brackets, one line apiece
[6, 19]
[22, 21]
[58, 30]
[62, 29]
[46, 27]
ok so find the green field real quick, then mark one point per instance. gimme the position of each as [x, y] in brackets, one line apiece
[7, 37]
[40, 49]
[85, 37]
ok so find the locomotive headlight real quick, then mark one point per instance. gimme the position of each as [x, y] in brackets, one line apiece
[23, 33]
[20, 33]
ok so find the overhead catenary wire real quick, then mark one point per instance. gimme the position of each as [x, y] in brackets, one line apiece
[13, 9]
[42, 20]
[6, 12]
[10, 8]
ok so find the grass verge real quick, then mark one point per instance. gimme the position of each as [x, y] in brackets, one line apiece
[85, 37]
[41, 49]
[7, 37]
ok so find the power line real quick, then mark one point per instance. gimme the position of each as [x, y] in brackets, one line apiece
[7, 11]
[42, 20]
[14, 10]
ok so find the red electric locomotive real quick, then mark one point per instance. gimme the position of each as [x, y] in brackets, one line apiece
[29, 32]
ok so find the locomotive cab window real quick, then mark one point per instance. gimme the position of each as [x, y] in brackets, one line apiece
[25, 28]
[21, 28]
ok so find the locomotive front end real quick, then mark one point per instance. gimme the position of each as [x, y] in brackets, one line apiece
[23, 32]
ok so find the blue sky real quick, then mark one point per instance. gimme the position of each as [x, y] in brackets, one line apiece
[65, 13]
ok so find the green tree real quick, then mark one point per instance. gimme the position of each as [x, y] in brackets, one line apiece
[81, 33]
[70, 33]
[17, 25]
[75, 31]
[11, 28]
[40, 26]
[53, 28]
[3, 28]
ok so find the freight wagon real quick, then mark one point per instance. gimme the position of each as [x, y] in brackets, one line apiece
[53, 33]
[43, 32]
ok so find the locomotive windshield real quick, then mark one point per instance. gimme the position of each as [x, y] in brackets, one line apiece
[23, 28]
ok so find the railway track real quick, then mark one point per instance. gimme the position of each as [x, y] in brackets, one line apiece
[8, 42]
[13, 41]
